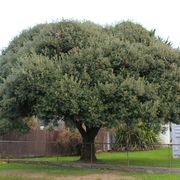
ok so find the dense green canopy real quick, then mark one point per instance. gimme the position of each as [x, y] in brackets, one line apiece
[89, 75]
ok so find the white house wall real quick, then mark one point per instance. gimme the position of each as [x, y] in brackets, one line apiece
[165, 138]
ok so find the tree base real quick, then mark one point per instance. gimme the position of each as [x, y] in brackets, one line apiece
[88, 153]
[88, 160]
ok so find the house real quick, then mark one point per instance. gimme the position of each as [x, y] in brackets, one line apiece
[165, 137]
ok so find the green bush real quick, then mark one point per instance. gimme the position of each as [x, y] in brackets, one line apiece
[68, 142]
[136, 137]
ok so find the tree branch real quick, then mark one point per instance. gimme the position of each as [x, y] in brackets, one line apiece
[80, 128]
[93, 130]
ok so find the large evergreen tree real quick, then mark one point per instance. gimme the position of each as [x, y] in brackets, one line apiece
[89, 76]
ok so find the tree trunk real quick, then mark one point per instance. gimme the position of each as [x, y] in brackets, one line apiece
[88, 150]
[88, 147]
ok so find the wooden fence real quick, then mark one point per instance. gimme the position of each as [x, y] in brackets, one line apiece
[44, 143]
[34, 143]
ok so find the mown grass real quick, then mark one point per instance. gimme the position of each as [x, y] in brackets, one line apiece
[77, 172]
[47, 169]
[64, 159]
[156, 158]
[159, 157]
[146, 176]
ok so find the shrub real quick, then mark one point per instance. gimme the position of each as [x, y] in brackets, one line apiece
[68, 142]
[136, 137]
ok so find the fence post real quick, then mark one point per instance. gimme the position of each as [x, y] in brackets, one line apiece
[169, 147]
[1, 149]
[57, 151]
[168, 161]
[8, 153]
[91, 155]
[127, 149]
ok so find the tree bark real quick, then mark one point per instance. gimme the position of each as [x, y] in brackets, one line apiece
[88, 134]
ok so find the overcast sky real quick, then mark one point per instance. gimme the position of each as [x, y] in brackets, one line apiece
[162, 15]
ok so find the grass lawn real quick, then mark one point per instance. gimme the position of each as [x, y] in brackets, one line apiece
[157, 158]
[13, 171]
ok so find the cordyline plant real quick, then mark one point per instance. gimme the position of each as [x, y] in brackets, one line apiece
[90, 76]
